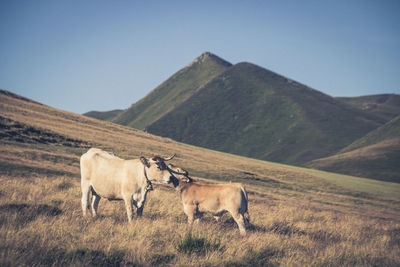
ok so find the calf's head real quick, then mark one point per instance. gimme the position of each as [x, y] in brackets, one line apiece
[181, 174]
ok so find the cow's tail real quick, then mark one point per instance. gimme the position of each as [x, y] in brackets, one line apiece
[246, 198]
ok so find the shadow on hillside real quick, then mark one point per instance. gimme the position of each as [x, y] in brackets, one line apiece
[77, 257]
[84, 257]
[24, 213]
[15, 131]
[229, 223]
[265, 257]
[256, 228]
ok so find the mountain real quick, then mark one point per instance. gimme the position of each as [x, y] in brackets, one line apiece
[251, 111]
[171, 93]
[386, 106]
[248, 110]
[104, 115]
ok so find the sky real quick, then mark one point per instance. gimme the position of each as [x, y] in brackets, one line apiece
[102, 55]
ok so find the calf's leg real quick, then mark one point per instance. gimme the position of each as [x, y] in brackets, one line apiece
[189, 211]
[240, 222]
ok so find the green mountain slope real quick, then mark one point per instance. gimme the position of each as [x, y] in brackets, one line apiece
[250, 111]
[173, 91]
[105, 116]
[386, 106]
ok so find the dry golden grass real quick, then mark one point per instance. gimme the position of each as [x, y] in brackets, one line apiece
[297, 218]
[41, 224]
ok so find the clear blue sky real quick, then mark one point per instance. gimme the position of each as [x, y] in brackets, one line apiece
[102, 55]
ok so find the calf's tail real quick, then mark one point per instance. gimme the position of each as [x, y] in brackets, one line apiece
[247, 217]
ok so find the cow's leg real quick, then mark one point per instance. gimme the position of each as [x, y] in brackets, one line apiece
[189, 211]
[129, 207]
[139, 207]
[139, 210]
[240, 222]
[85, 196]
[95, 204]
[140, 204]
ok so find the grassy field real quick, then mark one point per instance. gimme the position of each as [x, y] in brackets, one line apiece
[299, 217]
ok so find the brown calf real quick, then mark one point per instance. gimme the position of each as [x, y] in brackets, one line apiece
[216, 199]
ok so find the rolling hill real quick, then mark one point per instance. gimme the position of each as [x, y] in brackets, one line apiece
[104, 115]
[251, 111]
[378, 161]
[387, 131]
[376, 155]
[298, 216]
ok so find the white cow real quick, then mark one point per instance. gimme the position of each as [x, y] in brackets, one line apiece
[114, 178]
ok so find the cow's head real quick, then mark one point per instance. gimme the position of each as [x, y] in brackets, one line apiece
[156, 169]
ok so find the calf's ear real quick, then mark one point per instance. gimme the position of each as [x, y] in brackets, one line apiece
[187, 179]
[145, 162]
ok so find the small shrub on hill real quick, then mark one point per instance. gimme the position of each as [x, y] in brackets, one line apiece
[64, 185]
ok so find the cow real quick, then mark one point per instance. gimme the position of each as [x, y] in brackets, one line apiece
[108, 176]
[198, 198]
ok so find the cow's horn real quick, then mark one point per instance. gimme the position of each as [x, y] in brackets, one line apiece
[173, 156]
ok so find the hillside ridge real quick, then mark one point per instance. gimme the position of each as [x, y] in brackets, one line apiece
[172, 92]
[386, 106]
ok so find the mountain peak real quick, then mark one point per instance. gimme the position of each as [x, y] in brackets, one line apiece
[205, 56]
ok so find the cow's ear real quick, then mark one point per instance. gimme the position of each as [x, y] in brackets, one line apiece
[145, 162]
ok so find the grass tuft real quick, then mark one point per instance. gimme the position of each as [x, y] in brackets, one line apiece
[64, 185]
[198, 245]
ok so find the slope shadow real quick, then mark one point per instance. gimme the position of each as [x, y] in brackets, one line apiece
[24, 213]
